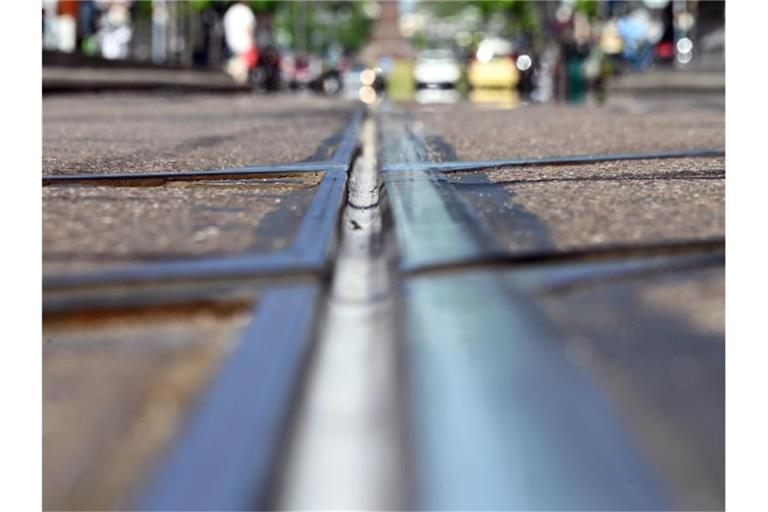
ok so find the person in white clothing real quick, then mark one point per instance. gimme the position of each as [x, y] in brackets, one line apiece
[239, 30]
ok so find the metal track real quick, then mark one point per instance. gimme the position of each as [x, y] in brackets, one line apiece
[223, 458]
[488, 392]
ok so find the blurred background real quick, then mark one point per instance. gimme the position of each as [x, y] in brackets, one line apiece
[504, 50]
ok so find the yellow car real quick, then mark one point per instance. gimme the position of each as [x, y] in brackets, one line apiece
[493, 66]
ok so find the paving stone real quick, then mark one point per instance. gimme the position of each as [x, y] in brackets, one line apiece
[84, 227]
[577, 207]
[111, 133]
[467, 131]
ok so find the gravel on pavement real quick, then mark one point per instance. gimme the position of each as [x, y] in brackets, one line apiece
[467, 131]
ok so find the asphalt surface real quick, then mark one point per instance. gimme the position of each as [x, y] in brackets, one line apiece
[111, 133]
[569, 207]
[467, 131]
[525, 372]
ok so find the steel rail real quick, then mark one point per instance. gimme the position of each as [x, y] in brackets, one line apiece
[348, 147]
[416, 196]
[224, 456]
[491, 389]
[479, 165]
[500, 418]
[428, 244]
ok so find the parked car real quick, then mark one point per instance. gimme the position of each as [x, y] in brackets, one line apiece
[436, 68]
[493, 65]
[329, 82]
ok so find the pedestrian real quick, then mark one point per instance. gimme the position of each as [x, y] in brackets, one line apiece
[115, 29]
[239, 30]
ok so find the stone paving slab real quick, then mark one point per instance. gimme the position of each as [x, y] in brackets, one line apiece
[115, 389]
[87, 227]
[112, 133]
[613, 203]
[466, 131]
[655, 347]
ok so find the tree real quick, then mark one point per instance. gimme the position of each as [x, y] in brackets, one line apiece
[316, 26]
[520, 15]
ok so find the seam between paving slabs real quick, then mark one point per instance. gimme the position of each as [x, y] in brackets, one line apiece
[285, 169]
[160, 178]
[471, 355]
[483, 165]
[668, 253]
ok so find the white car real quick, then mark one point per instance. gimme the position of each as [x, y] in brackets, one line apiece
[436, 68]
